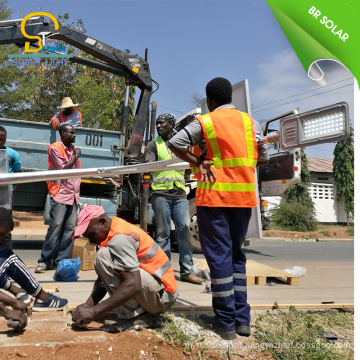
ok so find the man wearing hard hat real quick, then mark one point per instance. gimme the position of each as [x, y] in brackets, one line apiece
[69, 115]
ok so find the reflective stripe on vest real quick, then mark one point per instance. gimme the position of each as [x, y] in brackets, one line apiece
[54, 185]
[165, 180]
[151, 257]
[65, 118]
[235, 183]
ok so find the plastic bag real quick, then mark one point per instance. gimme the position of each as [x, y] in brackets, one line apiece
[296, 270]
[198, 270]
[67, 270]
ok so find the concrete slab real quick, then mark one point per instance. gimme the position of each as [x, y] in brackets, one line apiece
[40, 331]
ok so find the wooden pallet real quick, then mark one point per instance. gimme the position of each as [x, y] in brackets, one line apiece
[257, 273]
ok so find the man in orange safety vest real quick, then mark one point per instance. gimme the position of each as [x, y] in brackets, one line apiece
[131, 267]
[225, 195]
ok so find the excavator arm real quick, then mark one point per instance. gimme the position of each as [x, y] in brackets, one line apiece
[135, 70]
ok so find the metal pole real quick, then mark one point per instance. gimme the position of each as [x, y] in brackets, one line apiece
[144, 202]
[153, 119]
[125, 110]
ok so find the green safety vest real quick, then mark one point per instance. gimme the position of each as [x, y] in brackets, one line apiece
[165, 180]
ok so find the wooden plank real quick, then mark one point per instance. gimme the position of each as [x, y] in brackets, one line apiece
[257, 273]
[250, 280]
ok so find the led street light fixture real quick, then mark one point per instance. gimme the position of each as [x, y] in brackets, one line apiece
[323, 125]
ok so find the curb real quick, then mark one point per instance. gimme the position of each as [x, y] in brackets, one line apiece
[28, 233]
[340, 240]
[299, 240]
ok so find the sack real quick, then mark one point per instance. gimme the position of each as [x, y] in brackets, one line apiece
[67, 270]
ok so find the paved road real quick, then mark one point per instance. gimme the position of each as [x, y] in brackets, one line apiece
[329, 273]
[267, 252]
[300, 253]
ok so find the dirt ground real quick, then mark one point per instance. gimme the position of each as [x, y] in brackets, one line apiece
[323, 232]
[49, 336]
[29, 220]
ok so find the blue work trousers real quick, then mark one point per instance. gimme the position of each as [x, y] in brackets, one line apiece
[178, 211]
[12, 266]
[58, 242]
[222, 232]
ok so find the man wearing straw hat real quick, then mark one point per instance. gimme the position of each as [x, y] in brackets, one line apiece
[69, 115]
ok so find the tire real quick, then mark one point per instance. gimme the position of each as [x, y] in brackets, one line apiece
[194, 230]
[266, 223]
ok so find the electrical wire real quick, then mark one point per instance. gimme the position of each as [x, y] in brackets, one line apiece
[288, 97]
[324, 92]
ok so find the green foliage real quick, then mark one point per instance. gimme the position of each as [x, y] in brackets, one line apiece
[102, 96]
[35, 92]
[343, 168]
[350, 230]
[15, 84]
[294, 216]
[297, 334]
[299, 192]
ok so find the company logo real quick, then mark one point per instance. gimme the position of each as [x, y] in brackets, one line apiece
[58, 54]
[40, 41]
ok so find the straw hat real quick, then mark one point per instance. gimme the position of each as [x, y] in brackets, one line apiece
[66, 103]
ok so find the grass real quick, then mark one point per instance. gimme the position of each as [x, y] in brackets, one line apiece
[298, 334]
[286, 335]
[177, 334]
[350, 230]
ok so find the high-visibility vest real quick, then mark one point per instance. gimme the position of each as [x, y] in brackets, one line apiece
[150, 255]
[231, 145]
[54, 185]
[165, 180]
[65, 118]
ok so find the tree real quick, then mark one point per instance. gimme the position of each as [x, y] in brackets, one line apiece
[297, 213]
[16, 84]
[196, 99]
[299, 192]
[35, 92]
[102, 96]
[343, 168]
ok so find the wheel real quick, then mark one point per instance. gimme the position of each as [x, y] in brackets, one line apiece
[194, 229]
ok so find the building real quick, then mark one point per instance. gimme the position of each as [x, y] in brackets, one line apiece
[322, 191]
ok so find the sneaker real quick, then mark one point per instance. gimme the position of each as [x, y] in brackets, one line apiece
[193, 279]
[25, 298]
[42, 267]
[52, 303]
[210, 322]
[243, 330]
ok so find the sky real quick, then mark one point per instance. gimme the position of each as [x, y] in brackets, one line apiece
[192, 41]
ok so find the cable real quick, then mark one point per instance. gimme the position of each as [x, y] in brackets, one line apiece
[288, 97]
[170, 109]
[301, 99]
[321, 149]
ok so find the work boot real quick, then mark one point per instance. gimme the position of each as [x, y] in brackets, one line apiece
[192, 279]
[243, 330]
[42, 267]
[210, 322]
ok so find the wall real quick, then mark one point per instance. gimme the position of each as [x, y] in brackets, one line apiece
[328, 210]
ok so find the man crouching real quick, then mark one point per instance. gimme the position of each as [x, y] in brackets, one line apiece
[131, 268]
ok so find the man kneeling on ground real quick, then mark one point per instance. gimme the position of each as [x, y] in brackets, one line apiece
[131, 268]
[12, 266]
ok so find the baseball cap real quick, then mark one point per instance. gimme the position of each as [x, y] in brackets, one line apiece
[87, 214]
